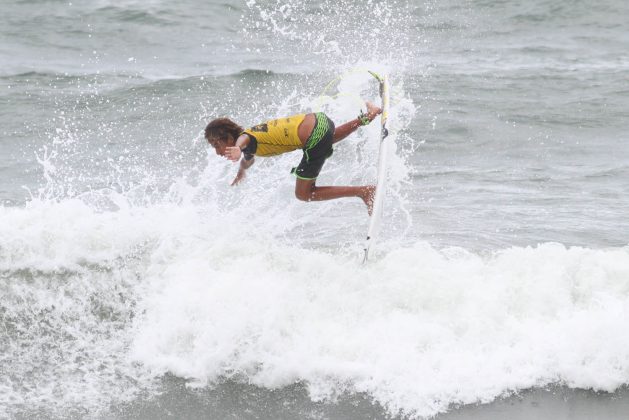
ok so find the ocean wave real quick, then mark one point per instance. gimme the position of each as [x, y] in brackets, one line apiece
[477, 327]
[146, 291]
[140, 78]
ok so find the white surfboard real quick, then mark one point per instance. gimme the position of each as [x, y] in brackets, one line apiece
[381, 184]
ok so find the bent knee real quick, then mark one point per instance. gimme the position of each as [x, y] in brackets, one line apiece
[304, 190]
[303, 195]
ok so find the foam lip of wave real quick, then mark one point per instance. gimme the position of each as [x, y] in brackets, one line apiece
[418, 330]
[450, 328]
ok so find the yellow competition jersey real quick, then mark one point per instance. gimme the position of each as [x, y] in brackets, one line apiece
[275, 137]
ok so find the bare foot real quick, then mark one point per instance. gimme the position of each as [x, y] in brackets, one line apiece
[367, 195]
[372, 110]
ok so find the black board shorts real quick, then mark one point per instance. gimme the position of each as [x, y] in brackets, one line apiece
[318, 148]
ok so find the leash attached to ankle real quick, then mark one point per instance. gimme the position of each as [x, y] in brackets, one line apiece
[363, 118]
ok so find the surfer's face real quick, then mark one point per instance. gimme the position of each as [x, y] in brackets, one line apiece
[220, 145]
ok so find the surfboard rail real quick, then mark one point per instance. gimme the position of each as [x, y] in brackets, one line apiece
[378, 201]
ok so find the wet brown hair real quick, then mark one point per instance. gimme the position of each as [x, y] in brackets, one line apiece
[220, 128]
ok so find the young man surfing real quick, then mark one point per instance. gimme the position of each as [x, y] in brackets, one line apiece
[314, 133]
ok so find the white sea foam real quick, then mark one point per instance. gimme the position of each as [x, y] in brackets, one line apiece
[418, 330]
[142, 291]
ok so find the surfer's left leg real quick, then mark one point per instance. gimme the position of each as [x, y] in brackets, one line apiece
[306, 190]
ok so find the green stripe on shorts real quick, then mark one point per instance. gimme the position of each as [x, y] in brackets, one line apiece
[321, 127]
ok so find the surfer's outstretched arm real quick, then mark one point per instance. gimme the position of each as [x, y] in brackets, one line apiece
[349, 127]
[235, 152]
[242, 169]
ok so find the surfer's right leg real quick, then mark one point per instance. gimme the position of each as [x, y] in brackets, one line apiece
[349, 127]
[306, 190]
[318, 148]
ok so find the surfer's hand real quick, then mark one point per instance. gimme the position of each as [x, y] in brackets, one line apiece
[233, 153]
[239, 178]
[372, 110]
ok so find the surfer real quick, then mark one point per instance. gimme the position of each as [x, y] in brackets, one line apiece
[314, 133]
